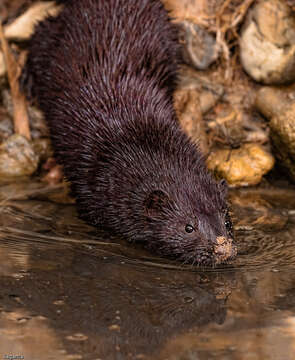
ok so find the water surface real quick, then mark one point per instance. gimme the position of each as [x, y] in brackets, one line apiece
[69, 292]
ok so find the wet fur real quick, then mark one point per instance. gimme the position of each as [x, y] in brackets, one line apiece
[103, 72]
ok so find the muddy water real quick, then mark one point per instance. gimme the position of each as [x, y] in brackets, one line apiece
[68, 292]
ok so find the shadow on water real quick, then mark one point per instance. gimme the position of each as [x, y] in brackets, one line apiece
[68, 292]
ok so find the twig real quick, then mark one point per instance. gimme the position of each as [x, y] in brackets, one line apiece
[20, 111]
[240, 13]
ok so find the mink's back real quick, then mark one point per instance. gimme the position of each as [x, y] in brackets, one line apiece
[99, 65]
[103, 72]
[101, 50]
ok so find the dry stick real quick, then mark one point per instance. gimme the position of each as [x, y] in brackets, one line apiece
[20, 111]
[222, 29]
[239, 15]
[222, 8]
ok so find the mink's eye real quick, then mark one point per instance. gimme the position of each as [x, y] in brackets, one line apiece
[189, 228]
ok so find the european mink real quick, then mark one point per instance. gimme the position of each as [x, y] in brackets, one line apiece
[103, 72]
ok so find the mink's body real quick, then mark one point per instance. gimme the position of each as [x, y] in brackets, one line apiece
[103, 73]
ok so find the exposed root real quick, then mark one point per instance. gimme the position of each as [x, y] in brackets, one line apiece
[20, 111]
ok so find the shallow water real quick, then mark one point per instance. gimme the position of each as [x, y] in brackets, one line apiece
[68, 292]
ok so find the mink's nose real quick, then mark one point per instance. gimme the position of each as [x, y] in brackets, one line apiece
[224, 249]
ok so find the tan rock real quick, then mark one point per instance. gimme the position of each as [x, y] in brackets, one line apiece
[241, 167]
[195, 96]
[186, 9]
[267, 43]
[17, 157]
[187, 105]
[276, 105]
[283, 136]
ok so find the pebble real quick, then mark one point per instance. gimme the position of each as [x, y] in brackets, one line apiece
[17, 157]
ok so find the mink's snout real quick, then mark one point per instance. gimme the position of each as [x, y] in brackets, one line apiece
[224, 249]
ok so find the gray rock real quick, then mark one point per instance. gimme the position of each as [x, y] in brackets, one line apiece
[17, 157]
[199, 47]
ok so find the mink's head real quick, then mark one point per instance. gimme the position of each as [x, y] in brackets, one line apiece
[191, 223]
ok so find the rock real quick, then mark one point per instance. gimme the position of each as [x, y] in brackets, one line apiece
[187, 106]
[272, 101]
[234, 126]
[226, 127]
[267, 42]
[17, 157]
[194, 97]
[42, 148]
[38, 124]
[241, 167]
[255, 211]
[6, 125]
[209, 90]
[199, 47]
[184, 9]
[279, 106]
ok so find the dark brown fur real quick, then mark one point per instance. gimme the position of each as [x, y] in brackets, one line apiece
[103, 73]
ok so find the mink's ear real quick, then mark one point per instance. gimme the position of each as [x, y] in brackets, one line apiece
[223, 187]
[155, 203]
